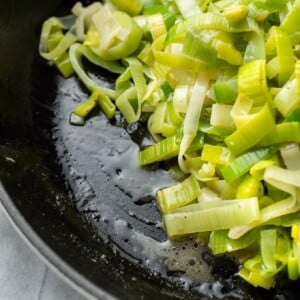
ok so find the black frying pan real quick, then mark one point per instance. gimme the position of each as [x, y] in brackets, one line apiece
[75, 193]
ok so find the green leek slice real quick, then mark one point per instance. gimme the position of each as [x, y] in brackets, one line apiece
[179, 195]
[247, 136]
[243, 163]
[204, 217]
[165, 149]
[219, 242]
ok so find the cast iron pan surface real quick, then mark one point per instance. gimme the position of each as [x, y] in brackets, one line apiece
[76, 193]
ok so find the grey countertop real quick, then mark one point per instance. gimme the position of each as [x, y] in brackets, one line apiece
[23, 274]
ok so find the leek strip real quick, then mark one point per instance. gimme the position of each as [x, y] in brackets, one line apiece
[105, 31]
[243, 163]
[285, 180]
[257, 171]
[273, 211]
[294, 116]
[83, 14]
[290, 23]
[286, 220]
[226, 50]
[129, 105]
[191, 121]
[137, 74]
[55, 36]
[130, 101]
[62, 62]
[106, 105]
[179, 61]
[241, 109]
[297, 75]
[48, 26]
[156, 25]
[174, 116]
[146, 55]
[132, 7]
[254, 272]
[216, 154]
[168, 129]
[64, 65]
[272, 68]
[109, 46]
[76, 120]
[288, 98]
[295, 234]
[75, 58]
[219, 242]
[200, 46]
[236, 13]
[225, 91]
[163, 150]
[211, 21]
[86, 107]
[68, 40]
[104, 102]
[283, 247]
[208, 195]
[221, 116]
[178, 195]
[268, 240]
[172, 120]
[217, 134]
[188, 8]
[158, 118]
[249, 187]
[111, 66]
[252, 81]
[180, 98]
[296, 249]
[193, 161]
[292, 266]
[153, 96]
[282, 178]
[175, 60]
[213, 47]
[256, 47]
[270, 5]
[229, 189]
[209, 216]
[290, 154]
[282, 133]
[247, 136]
[123, 82]
[206, 172]
[256, 280]
[168, 15]
[198, 142]
[285, 55]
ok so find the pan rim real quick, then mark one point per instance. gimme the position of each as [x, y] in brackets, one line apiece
[67, 273]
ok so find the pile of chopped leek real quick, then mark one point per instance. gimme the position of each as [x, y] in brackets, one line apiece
[218, 83]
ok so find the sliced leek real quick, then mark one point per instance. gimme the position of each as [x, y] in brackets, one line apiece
[186, 220]
[218, 85]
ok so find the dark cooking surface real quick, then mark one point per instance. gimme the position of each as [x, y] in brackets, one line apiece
[79, 189]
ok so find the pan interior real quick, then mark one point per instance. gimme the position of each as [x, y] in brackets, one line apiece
[80, 188]
[117, 198]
